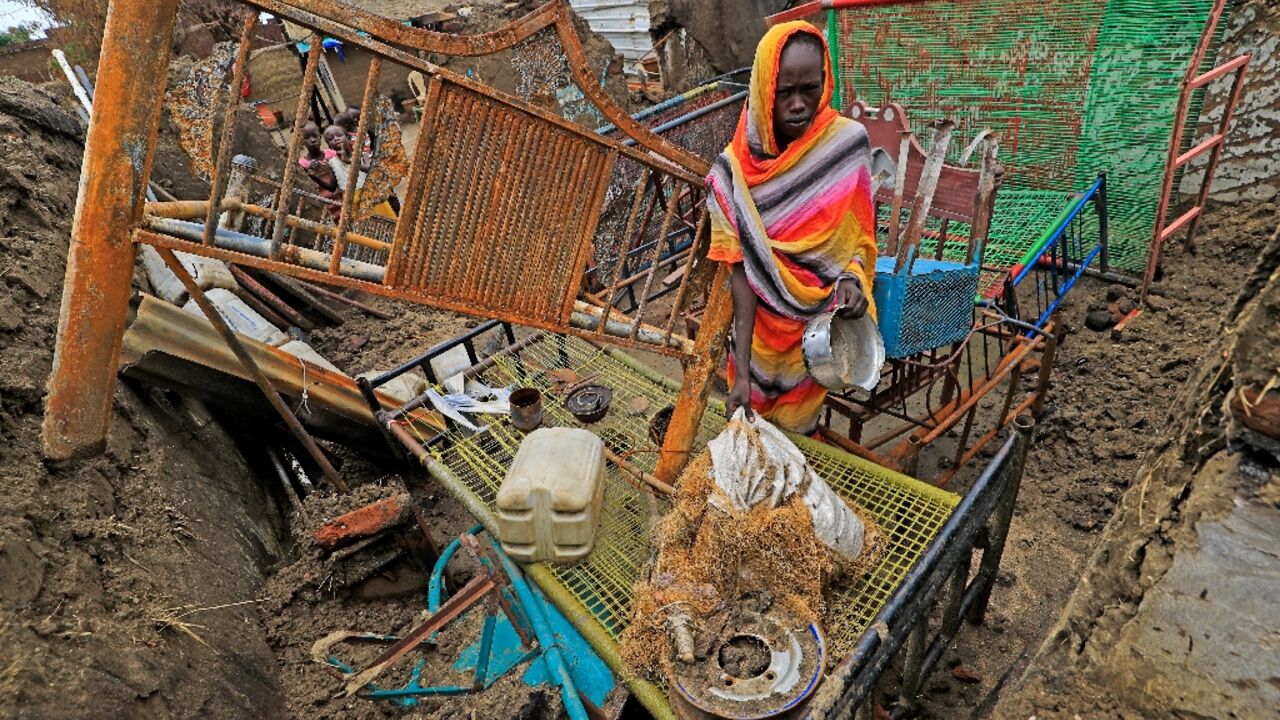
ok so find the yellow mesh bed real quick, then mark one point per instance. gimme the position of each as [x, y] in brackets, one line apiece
[910, 512]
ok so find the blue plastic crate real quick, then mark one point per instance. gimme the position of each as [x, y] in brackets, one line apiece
[926, 305]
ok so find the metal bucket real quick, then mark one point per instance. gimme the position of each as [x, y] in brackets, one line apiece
[842, 353]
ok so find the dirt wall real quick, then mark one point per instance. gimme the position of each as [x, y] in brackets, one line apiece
[129, 580]
[727, 30]
[1250, 166]
[1174, 614]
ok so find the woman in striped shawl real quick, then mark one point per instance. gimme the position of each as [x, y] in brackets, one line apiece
[790, 207]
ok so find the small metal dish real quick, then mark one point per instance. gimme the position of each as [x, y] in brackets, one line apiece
[589, 403]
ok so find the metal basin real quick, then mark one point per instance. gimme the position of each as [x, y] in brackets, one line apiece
[843, 353]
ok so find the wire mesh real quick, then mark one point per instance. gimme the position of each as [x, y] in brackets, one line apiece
[1074, 87]
[909, 512]
[1144, 50]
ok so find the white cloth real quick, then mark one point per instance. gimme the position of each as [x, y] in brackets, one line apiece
[754, 462]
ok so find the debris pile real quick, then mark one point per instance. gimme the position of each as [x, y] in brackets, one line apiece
[714, 558]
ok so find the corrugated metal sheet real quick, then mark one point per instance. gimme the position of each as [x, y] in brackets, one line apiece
[624, 23]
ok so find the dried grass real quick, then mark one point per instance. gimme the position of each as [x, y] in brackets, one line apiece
[708, 559]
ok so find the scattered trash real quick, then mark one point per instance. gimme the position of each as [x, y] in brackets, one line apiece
[637, 405]
[966, 674]
[526, 409]
[659, 423]
[207, 272]
[368, 520]
[561, 379]
[519, 627]
[241, 318]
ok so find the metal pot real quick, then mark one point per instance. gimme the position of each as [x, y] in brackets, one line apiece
[842, 353]
[589, 403]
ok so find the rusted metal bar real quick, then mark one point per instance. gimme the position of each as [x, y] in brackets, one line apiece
[1237, 63]
[691, 402]
[215, 319]
[652, 260]
[357, 159]
[1013, 413]
[1158, 233]
[218, 183]
[117, 161]
[469, 595]
[349, 301]
[275, 302]
[416, 38]
[1228, 113]
[262, 309]
[295, 142]
[971, 397]
[636, 472]
[304, 272]
[701, 237]
[854, 448]
[642, 190]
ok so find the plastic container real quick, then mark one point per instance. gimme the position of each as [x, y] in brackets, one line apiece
[207, 272]
[240, 317]
[549, 503]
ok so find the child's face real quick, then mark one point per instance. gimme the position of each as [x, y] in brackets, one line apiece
[311, 137]
[336, 138]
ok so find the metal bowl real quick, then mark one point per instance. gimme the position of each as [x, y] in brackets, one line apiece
[589, 403]
[843, 353]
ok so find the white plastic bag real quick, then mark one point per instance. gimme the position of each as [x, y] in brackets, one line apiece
[207, 272]
[754, 462]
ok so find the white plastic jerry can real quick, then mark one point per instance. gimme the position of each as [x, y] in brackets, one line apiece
[549, 503]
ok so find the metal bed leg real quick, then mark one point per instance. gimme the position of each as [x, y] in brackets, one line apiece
[999, 528]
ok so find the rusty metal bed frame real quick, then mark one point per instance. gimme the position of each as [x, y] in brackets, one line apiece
[504, 207]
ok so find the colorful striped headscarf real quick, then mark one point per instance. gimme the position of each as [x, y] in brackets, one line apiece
[799, 219]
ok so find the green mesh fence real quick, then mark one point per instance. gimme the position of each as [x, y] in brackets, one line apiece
[1144, 50]
[1073, 87]
[910, 512]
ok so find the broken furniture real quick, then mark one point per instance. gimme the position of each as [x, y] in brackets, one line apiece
[519, 628]
[1057, 81]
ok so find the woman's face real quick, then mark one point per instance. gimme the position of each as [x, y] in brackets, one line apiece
[798, 92]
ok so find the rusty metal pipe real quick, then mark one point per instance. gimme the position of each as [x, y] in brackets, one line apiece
[117, 162]
[349, 301]
[275, 302]
[218, 183]
[197, 209]
[357, 158]
[587, 317]
[250, 245]
[273, 397]
[652, 258]
[295, 142]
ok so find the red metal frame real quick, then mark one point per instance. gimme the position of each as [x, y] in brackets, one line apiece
[1193, 81]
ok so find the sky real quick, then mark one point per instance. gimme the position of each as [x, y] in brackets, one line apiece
[18, 13]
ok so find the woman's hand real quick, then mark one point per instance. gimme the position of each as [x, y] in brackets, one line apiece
[850, 300]
[740, 397]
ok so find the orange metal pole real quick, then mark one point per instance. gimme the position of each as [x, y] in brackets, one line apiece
[708, 351]
[132, 74]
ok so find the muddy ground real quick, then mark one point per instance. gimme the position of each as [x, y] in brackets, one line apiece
[160, 579]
